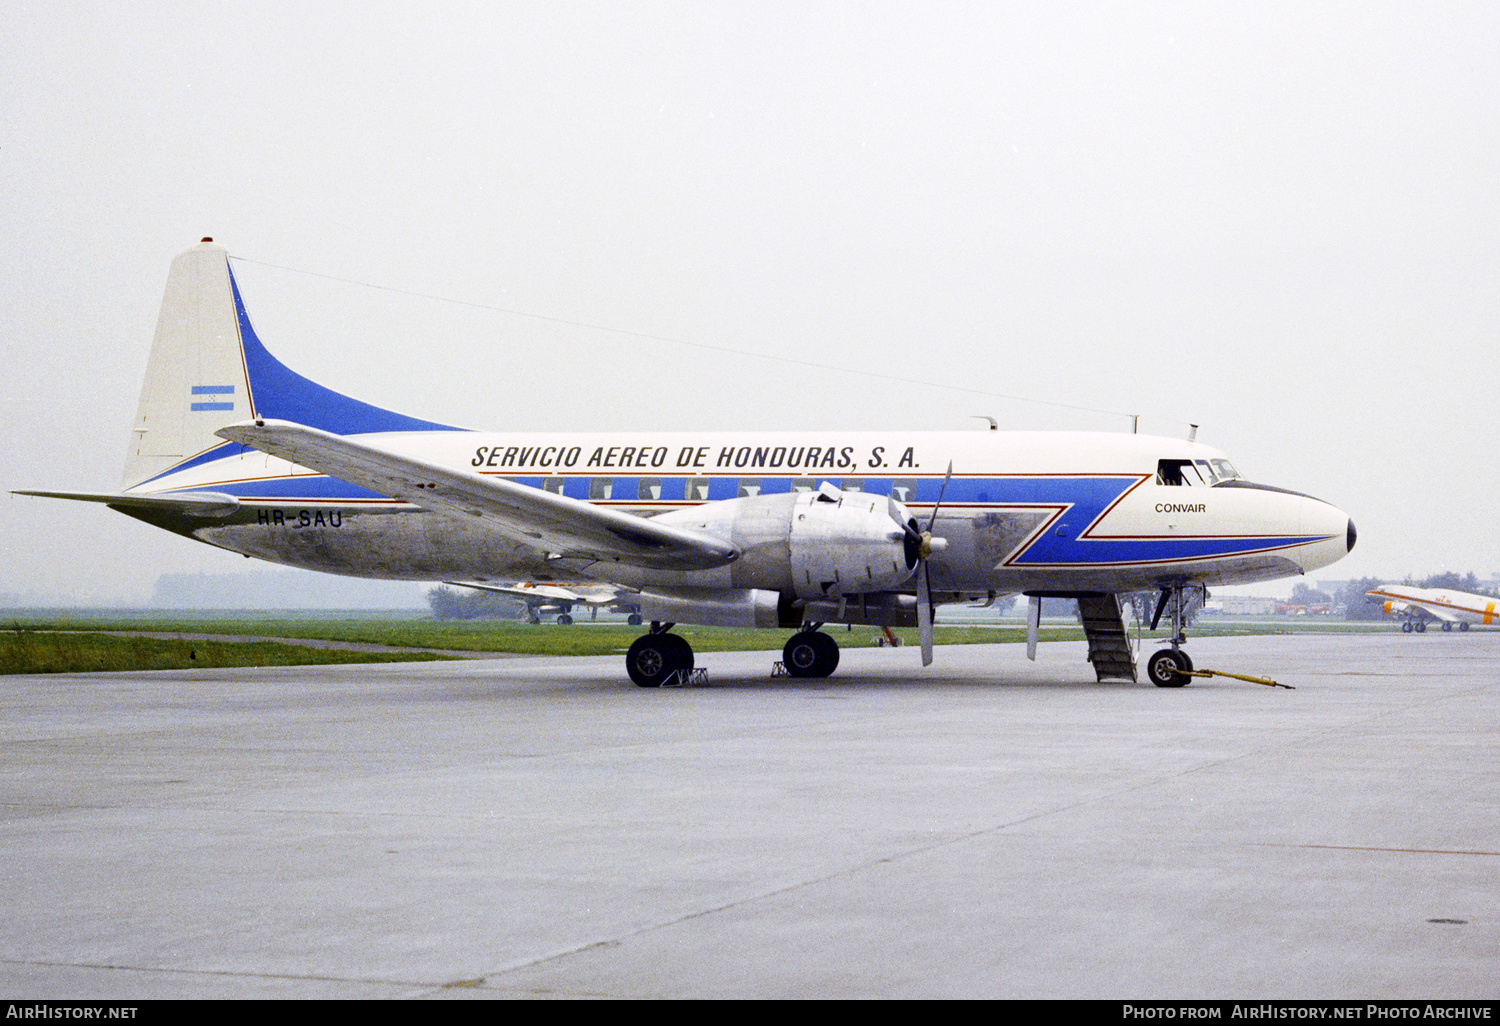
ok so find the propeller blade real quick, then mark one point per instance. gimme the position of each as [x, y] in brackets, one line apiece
[941, 492]
[924, 613]
[926, 546]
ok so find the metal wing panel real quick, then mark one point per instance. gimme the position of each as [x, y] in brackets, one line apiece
[563, 527]
[543, 592]
[1435, 611]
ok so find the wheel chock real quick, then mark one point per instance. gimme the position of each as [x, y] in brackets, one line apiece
[1267, 681]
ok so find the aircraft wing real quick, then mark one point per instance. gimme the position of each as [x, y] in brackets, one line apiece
[1434, 611]
[532, 593]
[563, 527]
[540, 594]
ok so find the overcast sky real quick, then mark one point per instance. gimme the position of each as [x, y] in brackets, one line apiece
[1277, 221]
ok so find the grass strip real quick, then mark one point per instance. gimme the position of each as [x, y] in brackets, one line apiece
[24, 651]
[405, 629]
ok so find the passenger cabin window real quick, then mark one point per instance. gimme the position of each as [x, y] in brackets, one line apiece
[601, 487]
[650, 488]
[697, 489]
[553, 485]
[749, 486]
[904, 489]
[853, 484]
[801, 484]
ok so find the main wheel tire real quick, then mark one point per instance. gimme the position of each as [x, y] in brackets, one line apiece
[1406, 627]
[1464, 626]
[1164, 668]
[810, 654]
[564, 620]
[682, 652]
[653, 658]
[634, 619]
[1421, 626]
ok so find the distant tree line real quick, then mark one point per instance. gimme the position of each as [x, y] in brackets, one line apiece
[471, 604]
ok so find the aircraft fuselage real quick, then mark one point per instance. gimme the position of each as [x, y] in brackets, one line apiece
[1021, 512]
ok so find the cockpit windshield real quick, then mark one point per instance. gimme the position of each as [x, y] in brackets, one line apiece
[1225, 470]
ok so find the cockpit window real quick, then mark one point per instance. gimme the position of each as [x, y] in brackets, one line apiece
[1178, 472]
[1195, 473]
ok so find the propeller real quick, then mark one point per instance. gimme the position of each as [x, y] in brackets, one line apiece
[923, 545]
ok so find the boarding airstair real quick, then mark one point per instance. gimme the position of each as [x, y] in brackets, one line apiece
[1109, 644]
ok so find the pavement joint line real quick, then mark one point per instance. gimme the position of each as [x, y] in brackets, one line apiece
[207, 972]
[1366, 847]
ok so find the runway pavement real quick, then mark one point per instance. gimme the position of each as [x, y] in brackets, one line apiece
[539, 827]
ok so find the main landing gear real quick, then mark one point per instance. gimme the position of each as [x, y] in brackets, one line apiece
[1169, 668]
[655, 658]
[1420, 626]
[810, 653]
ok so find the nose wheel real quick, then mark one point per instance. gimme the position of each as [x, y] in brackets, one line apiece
[1168, 668]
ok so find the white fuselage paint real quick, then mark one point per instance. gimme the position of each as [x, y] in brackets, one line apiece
[1454, 606]
[1022, 511]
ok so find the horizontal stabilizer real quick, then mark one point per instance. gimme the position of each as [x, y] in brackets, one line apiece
[563, 527]
[198, 504]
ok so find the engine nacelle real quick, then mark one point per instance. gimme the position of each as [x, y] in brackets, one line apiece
[812, 545]
[848, 543]
[755, 607]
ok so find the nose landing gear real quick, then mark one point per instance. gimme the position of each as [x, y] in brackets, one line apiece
[1169, 667]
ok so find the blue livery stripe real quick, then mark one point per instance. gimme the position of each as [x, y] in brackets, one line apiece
[200, 407]
[293, 489]
[1078, 503]
[213, 390]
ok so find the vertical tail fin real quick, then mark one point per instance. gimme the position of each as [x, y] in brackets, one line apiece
[209, 370]
[196, 380]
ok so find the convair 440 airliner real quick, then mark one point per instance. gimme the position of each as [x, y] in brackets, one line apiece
[784, 530]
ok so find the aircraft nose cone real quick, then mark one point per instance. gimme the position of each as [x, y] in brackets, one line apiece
[1351, 537]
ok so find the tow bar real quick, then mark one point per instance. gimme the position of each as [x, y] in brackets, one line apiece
[1267, 681]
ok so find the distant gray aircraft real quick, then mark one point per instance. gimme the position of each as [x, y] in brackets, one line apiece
[543, 599]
